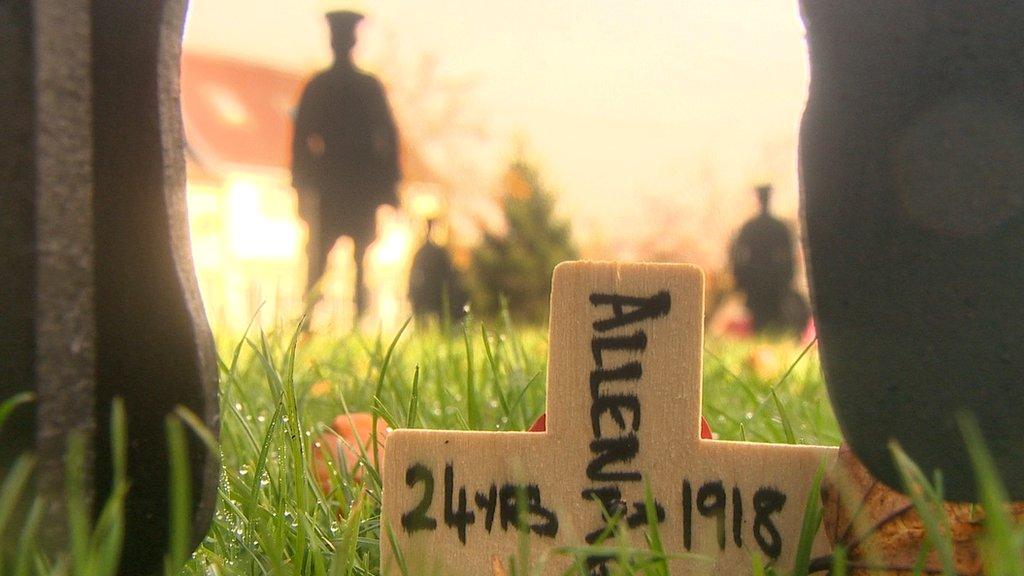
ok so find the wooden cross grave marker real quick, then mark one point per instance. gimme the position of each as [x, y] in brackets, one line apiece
[623, 405]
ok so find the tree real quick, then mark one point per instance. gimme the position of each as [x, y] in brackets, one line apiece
[517, 263]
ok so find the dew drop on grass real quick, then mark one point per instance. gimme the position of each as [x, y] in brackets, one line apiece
[261, 418]
[238, 406]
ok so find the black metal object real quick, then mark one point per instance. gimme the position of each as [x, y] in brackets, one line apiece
[99, 295]
[912, 171]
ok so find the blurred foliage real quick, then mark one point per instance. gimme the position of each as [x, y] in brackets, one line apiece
[516, 265]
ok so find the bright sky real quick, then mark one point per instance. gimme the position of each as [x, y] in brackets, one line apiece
[689, 102]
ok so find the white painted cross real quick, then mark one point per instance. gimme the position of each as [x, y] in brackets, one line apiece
[624, 402]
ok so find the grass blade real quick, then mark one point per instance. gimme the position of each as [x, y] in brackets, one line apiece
[13, 489]
[198, 427]
[472, 410]
[396, 551]
[1000, 539]
[496, 375]
[380, 387]
[414, 400]
[108, 535]
[79, 514]
[27, 539]
[787, 426]
[928, 503]
[657, 548]
[809, 529]
[178, 549]
[8, 406]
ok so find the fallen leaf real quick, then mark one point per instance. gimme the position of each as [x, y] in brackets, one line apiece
[347, 444]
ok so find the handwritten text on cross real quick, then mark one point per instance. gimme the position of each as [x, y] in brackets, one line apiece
[623, 414]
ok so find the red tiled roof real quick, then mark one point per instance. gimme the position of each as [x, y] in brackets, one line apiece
[239, 113]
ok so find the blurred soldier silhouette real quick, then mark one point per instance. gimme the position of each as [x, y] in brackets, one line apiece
[435, 288]
[762, 263]
[344, 156]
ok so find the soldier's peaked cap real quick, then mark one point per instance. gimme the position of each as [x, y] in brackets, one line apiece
[343, 22]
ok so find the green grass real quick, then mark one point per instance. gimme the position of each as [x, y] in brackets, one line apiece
[274, 518]
[278, 394]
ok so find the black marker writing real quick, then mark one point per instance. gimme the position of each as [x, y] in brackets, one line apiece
[768, 501]
[488, 503]
[628, 372]
[616, 443]
[417, 519]
[613, 405]
[518, 507]
[641, 308]
[609, 451]
[711, 503]
[635, 343]
[457, 518]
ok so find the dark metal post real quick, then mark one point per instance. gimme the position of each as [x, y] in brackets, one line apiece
[99, 295]
[912, 172]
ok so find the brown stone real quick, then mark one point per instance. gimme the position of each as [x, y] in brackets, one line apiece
[881, 530]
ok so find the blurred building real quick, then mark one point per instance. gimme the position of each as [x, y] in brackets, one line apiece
[248, 241]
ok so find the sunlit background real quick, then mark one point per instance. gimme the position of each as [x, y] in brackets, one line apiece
[650, 121]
